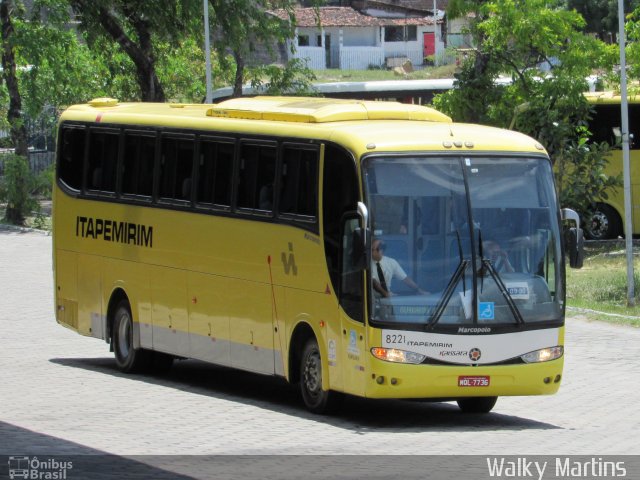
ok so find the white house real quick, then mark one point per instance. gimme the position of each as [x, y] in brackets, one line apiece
[346, 39]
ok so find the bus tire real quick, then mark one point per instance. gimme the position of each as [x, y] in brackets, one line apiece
[605, 223]
[315, 398]
[477, 404]
[128, 358]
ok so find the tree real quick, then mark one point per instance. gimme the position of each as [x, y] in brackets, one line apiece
[601, 16]
[542, 49]
[39, 62]
[10, 77]
[134, 25]
[15, 209]
[633, 46]
[244, 25]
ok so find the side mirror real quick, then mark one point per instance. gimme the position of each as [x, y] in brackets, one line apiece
[354, 256]
[358, 249]
[573, 239]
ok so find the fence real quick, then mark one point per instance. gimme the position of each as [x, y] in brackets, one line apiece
[38, 160]
[41, 140]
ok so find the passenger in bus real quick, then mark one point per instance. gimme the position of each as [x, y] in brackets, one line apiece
[385, 269]
[498, 257]
[265, 197]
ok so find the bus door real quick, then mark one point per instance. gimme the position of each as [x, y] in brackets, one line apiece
[354, 344]
[347, 353]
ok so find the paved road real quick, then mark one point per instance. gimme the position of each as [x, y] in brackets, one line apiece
[60, 393]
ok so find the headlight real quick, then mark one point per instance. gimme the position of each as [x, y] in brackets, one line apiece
[543, 355]
[395, 355]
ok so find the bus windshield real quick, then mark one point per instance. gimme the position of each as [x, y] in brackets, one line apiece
[463, 241]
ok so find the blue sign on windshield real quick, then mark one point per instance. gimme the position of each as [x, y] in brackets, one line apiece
[486, 311]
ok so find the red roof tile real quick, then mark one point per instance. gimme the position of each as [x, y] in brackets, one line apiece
[346, 17]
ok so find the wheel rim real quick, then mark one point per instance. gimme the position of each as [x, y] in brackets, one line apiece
[124, 335]
[599, 225]
[312, 376]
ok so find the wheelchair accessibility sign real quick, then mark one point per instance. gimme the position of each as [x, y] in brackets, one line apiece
[486, 311]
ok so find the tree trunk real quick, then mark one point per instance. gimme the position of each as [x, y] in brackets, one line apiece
[141, 53]
[239, 80]
[13, 213]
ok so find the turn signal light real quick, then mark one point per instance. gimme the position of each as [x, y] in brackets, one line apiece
[397, 356]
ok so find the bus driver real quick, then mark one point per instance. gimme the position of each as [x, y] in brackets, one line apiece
[385, 269]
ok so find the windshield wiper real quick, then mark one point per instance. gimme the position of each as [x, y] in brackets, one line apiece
[448, 292]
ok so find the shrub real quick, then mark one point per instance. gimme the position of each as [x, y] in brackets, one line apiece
[16, 189]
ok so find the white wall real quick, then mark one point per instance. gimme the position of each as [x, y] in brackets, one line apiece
[360, 58]
[359, 36]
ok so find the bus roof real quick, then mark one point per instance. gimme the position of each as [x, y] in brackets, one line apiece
[359, 125]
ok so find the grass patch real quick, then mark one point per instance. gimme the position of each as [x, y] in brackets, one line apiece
[601, 285]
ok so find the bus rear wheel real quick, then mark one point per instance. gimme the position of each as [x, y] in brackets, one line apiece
[128, 358]
[604, 224]
[477, 404]
[315, 398]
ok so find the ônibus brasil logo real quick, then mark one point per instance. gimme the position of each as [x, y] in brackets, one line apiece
[33, 468]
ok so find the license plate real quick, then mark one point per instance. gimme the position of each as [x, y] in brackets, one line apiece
[475, 381]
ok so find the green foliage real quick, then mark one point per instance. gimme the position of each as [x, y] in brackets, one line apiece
[540, 47]
[16, 189]
[6, 142]
[181, 70]
[601, 16]
[633, 47]
[43, 182]
[293, 79]
[579, 173]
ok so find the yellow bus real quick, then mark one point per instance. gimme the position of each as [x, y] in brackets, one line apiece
[241, 234]
[608, 220]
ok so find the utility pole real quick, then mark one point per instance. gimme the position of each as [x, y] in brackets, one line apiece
[207, 52]
[628, 213]
[435, 32]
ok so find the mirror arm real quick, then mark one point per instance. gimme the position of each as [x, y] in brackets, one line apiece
[363, 211]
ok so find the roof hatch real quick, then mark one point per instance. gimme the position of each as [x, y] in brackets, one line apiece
[321, 110]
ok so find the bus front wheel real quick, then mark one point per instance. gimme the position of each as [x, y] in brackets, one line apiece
[477, 404]
[128, 358]
[315, 398]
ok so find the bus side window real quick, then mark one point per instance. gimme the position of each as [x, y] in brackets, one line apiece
[215, 170]
[72, 156]
[256, 176]
[176, 167]
[138, 164]
[103, 160]
[298, 182]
